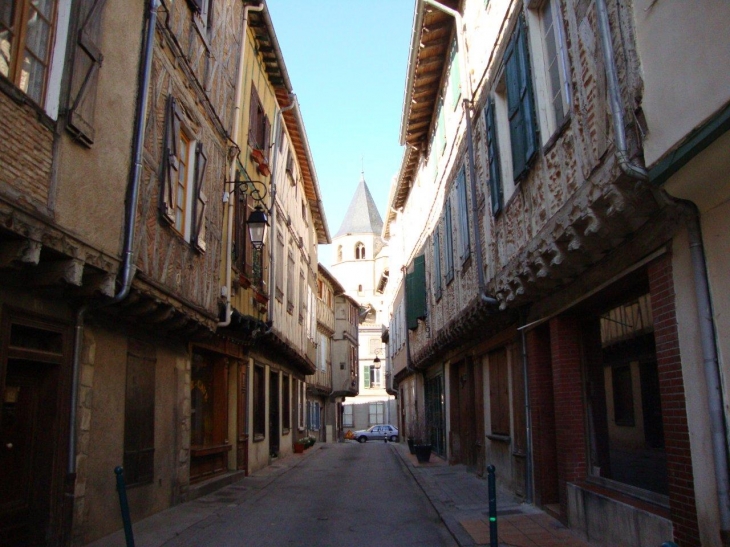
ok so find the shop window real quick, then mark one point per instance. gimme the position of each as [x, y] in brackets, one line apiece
[259, 402]
[627, 441]
[499, 407]
[139, 413]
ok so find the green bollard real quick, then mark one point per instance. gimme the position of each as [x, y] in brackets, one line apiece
[124, 506]
[493, 539]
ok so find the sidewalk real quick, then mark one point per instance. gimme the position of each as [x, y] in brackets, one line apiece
[462, 501]
[161, 527]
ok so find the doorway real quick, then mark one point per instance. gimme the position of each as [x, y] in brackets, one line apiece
[31, 430]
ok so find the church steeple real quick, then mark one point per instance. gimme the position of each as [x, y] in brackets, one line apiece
[362, 215]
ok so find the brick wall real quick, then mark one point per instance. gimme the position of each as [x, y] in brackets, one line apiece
[26, 149]
[565, 333]
[542, 411]
[674, 413]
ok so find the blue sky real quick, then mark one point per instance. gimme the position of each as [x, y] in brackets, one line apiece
[347, 61]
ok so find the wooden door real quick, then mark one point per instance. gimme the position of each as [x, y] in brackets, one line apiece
[274, 414]
[27, 423]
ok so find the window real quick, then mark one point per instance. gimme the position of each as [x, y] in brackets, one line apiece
[520, 103]
[360, 251]
[286, 402]
[375, 376]
[139, 413]
[339, 253]
[26, 40]
[376, 413]
[449, 243]
[464, 247]
[301, 400]
[290, 173]
[553, 81]
[259, 128]
[183, 202]
[499, 392]
[623, 396]
[436, 263]
[314, 410]
[440, 140]
[259, 403]
[347, 416]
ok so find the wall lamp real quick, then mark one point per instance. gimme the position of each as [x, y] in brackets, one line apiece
[258, 220]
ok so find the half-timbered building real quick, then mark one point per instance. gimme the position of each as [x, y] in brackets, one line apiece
[536, 323]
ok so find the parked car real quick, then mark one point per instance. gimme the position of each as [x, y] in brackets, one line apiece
[377, 433]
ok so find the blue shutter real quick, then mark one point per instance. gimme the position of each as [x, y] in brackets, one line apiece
[495, 169]
[449, 243]
[464, 249]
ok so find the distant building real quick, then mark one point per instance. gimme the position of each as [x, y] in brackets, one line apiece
[359, 264]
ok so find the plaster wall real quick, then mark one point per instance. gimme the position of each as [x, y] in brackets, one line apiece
[703, 465]
[91, 183]
[102, 429]
[681, 45]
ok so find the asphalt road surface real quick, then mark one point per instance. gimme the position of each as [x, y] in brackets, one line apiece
[346, 494]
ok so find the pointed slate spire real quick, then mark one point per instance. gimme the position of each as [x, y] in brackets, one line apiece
[362, 215]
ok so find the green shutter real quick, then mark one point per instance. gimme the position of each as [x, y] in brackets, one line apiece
[455, 75]
[526, 94]
[495, 171]
[520, 103]
[416, 292]
[366, 376]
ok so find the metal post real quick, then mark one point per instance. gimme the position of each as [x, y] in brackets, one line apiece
[493, 541]
[124, 506]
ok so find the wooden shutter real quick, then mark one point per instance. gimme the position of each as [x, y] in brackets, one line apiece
[266, 139]
[499, 392]
[366, 375]
[171, 164]
[85, 77]
[253, 117]
[200, 199]
[495, 170]
[463, 215]
[520, 105]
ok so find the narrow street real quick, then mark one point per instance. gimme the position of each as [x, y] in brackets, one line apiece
[336, 496]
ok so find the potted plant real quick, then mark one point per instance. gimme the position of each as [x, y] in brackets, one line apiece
[419, 435]
[298, 447]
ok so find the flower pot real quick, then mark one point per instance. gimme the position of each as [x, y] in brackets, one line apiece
[423, 452]
[298, 448]
[410, 446]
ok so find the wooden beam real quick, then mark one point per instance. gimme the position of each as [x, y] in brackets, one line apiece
[99, 284]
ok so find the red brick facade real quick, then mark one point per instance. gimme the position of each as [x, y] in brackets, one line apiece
[565, 343]
[674, 412]
[26, 147]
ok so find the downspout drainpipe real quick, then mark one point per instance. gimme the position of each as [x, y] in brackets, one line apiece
[226, 290]
[272, 212]
[467, 102]
[699, 267]
[127, 267]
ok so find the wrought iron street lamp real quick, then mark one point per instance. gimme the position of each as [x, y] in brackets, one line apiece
[257, 222]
